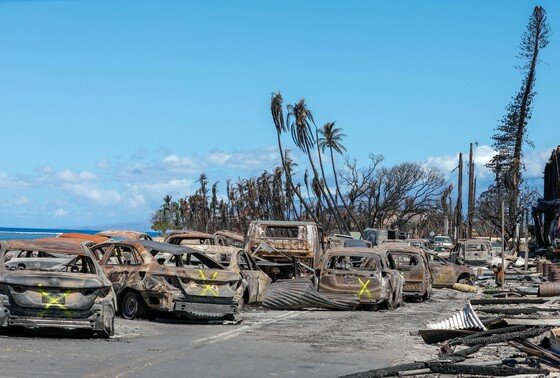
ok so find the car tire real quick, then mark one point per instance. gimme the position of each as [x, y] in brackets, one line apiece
[132, 306]
[465, 280]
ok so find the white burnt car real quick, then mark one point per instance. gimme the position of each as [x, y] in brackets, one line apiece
[73, 294]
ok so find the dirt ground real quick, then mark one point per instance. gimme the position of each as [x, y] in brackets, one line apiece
[265, 343]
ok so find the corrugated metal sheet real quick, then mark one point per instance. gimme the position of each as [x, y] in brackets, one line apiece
[464, 319]
[299, 294]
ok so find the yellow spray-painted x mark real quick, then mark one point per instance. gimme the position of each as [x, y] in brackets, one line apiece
[364, 289]
[57, 301]
[207, 287]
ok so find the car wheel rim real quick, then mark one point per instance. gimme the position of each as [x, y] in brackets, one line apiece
[131, 305]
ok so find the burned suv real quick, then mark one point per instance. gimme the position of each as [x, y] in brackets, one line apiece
[73, 294]
[360, 273]
[413, 265]
[152, 276]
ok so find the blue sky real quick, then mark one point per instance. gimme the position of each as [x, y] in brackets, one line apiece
[106, 106]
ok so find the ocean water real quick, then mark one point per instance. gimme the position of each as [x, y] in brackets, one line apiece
[9, 233]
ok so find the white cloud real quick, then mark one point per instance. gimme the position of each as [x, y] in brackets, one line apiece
[258, 158]
[60, 213]
[69, 176]
[90, 192]
[104, 164]
[534, 161]
[182, 164]
[8, 181]
[18, 200]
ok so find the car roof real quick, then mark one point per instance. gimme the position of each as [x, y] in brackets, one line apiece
[190, 234]
[400, 247]
[53, 245]
[284, 223]
[230, 234]
[122, 233]
[165, 247]
[351, 251]
[83, 237]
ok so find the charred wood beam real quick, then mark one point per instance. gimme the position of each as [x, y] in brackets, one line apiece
[512, 336]
[491, 301]
[478, 335]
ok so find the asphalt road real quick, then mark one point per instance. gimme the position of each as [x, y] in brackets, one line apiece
[265, 343]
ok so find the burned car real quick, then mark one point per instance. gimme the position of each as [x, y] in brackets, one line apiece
[229, 238]
[239, 261]
[190, 238]
[419, 243]
[412, 263]
[152, 276]
[447, 274]
[361, 273]
[474, 252]
[283, 241]
[346, 241]
[73, 294]
[124, 234]
[88, 238]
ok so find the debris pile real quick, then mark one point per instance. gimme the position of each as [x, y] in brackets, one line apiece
[514, 330]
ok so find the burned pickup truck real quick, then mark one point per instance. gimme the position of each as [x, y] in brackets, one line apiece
[152, 276]
[361, 273]
[73, 294]
[281, 241]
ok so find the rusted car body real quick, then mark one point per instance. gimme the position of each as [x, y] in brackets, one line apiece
[152, 276]
[190, 238]
[239, 261]
[73, 294]
[230, 238]
[125, 234]
[476, 252]
[95, 239]
[281, 241]
[362, 273]
[346, 241]
[413, 265]
[446, 274]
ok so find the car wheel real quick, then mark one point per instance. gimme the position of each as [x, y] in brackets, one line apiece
[132, 306]
[465, 280]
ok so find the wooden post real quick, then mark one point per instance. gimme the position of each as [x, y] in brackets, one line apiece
[459, 214]
[470, 210]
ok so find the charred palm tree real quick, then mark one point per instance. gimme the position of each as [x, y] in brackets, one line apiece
[278, 118]
[331, 138]
[300, 120]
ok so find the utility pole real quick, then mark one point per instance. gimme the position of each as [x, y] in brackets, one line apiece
[459, 215]
[470, 210]
[503, 236]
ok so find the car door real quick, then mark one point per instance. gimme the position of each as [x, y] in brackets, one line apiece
[443, 273]
[411, 266]
[263, 280]
[122, 266]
